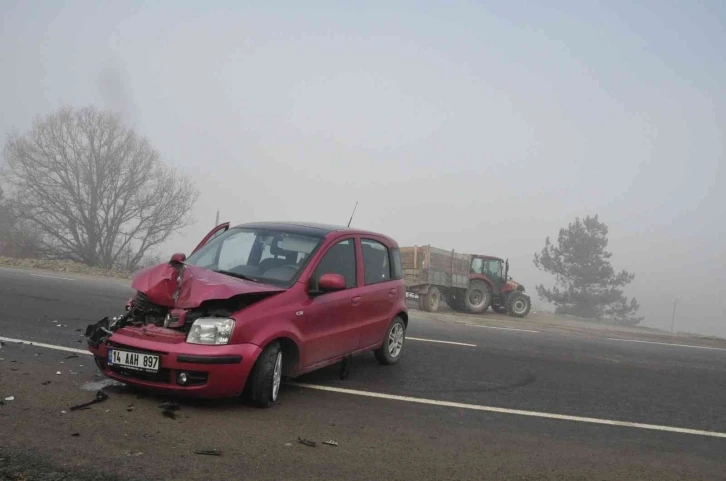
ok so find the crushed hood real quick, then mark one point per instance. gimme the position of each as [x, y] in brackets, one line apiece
[174, 284]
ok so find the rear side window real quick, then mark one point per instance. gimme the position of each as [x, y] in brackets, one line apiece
[376, 261]
[396, 268]
[340, 259]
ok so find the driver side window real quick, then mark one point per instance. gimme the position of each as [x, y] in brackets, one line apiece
[340, 259]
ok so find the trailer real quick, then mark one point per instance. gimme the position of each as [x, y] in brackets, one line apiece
[433, 274]
[466, 282]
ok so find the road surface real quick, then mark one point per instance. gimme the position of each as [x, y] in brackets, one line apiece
[465, 402]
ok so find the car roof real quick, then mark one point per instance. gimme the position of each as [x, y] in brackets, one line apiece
[311, 228]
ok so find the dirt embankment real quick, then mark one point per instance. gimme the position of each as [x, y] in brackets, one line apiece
[64, 266]
[542, 321]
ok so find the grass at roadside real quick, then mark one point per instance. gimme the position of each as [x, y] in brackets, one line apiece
[64, 266]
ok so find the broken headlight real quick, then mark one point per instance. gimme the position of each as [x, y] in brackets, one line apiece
[211, 330]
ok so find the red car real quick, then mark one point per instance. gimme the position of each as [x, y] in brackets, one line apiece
[255, 303]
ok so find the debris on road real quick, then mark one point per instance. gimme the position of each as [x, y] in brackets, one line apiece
[72, 356]
[75, 435]
[170, 406]
[58, 373]
[209, 452]
[10, 398]
[330, 443]
[345, 366]
[307, 442]
[100, 397]
[168, 409]
[45, 383]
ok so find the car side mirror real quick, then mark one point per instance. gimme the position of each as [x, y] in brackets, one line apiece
[331, 283]
[178, 257]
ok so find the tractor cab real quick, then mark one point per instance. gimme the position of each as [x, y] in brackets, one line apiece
[494, 269]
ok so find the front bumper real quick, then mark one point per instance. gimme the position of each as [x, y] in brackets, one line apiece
[212, 371]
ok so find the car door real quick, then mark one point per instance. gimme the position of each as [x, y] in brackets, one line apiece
[329, 322]
[379, 292]
[219, 230]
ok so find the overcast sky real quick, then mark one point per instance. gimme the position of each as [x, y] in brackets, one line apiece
[481, 128]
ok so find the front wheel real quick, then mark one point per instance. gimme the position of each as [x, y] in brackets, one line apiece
[518, 305]
[264, 383]
[390, 351]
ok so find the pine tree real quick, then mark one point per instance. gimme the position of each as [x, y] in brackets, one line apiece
[586, 284]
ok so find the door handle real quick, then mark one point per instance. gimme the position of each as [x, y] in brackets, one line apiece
[356, 300]
[392, 292]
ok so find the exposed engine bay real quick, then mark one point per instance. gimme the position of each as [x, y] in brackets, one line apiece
[142, 312]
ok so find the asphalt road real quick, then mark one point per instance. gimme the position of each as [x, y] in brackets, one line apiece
[457, 434]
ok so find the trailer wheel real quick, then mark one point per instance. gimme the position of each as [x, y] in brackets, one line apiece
[455, 302]
[478, 297]
[432, 300]
[518, 304]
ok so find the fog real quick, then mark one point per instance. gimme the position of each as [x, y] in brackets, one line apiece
[477, 128]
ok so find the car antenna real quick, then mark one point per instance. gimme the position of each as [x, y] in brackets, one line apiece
[351, 215]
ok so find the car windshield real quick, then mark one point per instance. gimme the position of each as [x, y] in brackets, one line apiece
[261, 255]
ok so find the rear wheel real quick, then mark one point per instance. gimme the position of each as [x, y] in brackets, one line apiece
[478, 297]
[456, 302]
[432, 300]
[518, 305]
[266, 378]
[390, 351]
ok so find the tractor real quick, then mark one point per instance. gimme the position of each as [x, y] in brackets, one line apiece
[490, 285]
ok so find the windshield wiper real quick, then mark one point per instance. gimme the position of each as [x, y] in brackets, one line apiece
[238, 276]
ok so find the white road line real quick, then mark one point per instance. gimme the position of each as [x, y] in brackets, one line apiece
[434, 402]
[442, 342]
[502, 328]
[668, 344]
[48, 346]
[53, 277]
[519, 412]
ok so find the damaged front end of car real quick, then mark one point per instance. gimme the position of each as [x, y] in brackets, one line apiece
[170, 298]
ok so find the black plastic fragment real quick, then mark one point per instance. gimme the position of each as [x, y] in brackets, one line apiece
[209, 452]
[100, 397]
[307, 442]
[170, 406]
[345, 366]
[75, 435]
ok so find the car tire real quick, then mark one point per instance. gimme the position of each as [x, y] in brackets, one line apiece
[390, 353]
[266, 378]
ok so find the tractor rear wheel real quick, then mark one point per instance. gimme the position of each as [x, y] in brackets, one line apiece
[518, 304]
[478, 297]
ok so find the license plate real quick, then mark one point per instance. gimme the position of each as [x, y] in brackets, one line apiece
[133, 360]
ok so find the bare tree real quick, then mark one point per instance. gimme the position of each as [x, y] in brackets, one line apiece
[97, 191]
